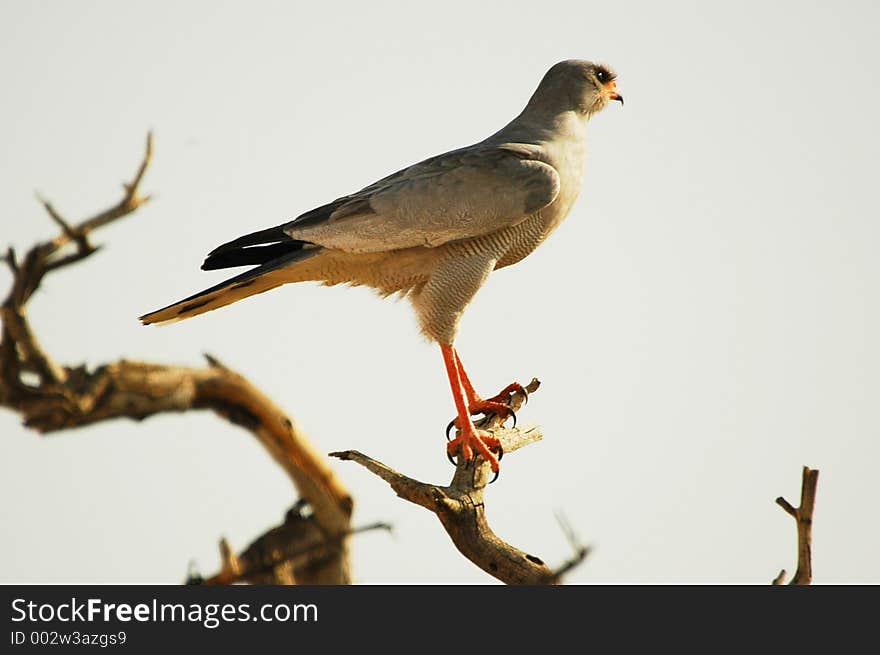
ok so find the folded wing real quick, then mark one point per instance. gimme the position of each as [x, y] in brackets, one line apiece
[459, 195]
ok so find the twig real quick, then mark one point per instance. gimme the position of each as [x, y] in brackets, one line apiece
[803, 516]
[581, 550]
[55, 216]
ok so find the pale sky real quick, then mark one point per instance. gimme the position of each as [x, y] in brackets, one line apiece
[705, 322]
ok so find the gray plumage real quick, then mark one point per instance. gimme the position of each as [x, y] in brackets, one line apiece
[435, 230]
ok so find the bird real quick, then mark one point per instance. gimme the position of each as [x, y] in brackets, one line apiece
[434, 231]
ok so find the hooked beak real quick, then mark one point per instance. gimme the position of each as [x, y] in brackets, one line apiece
[611, 90]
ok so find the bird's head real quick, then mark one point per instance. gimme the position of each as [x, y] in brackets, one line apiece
[576, 85]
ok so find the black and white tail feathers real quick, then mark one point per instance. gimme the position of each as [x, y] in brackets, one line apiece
[255, 248]
[272, 250]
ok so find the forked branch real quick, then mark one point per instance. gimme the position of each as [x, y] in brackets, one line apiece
[461, 507]
[51, 397]
[803, 516]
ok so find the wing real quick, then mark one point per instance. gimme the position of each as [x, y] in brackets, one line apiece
[458, 195]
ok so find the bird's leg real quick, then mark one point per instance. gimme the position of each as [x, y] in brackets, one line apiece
[497, 404]
[469, 439]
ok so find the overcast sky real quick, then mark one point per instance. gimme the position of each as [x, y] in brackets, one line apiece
[705, 322]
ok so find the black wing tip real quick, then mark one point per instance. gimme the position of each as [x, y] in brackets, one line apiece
[252, 255]
[268, 235]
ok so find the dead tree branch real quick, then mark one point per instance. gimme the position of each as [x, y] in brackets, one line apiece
[279, 556]
[581, 550]
[803, 515]
[461, 508]
[51, 397]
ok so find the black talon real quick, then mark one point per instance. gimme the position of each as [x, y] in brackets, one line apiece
[449, 429]
[451, 461]
[500, 455]
[509, 415]
[485, 416]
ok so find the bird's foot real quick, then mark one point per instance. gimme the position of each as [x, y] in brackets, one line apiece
[485, 407]
[489, 407]
[503, 397]
[471, 442]
[497, 405]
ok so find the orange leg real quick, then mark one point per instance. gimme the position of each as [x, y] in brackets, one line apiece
[469, 439]
[496, 404]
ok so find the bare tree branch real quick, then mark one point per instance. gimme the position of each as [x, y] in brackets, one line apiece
[581, 550]
[803, 515]
[461, 507]
[64, 397]
[294, 552]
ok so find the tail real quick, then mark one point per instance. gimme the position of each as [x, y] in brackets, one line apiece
[272, 249]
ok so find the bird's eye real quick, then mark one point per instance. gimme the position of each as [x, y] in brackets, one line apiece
[602, 75]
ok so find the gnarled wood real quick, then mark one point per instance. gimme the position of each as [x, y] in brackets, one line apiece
[51, 398]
